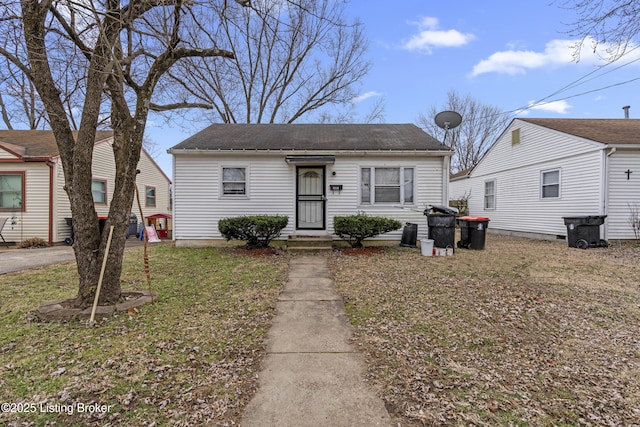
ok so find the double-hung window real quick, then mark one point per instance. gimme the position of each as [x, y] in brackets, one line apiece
[550, 184]
[490, 194]
[234, 181]
[99, 191]
[150, 197]
[12, 191]
[380, 185]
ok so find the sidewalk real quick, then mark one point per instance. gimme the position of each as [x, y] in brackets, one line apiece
[311, 375]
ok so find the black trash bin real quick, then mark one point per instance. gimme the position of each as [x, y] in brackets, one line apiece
[69, 240]
[442, 226]
[584, 231]
[409, 235]
[473, 231]
[133, 225]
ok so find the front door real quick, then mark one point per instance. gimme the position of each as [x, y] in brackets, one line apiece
[310, 198]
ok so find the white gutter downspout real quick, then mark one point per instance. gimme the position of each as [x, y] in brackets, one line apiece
[604, 182]
[446, 163]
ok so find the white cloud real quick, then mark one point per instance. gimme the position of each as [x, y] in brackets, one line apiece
[430, 36]
[559, 107]
[365, 96]
[556, 53]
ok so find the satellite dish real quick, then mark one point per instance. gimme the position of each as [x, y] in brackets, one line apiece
[448, 120]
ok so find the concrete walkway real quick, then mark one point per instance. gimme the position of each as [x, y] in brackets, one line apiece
[312, 376]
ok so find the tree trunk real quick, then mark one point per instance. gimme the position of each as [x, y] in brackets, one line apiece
[91, 245]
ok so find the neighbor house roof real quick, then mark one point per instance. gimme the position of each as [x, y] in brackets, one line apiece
[36, 144]
[461, 174]
[606, 131]
[312, 137]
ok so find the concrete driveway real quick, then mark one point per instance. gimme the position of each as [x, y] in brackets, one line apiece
[24, 259]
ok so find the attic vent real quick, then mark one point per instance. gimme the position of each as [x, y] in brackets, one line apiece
[515, 137]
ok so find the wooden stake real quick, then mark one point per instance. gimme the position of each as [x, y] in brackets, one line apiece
[147, 270]
[104, 265]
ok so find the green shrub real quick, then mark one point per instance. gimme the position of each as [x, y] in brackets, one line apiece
[257, 230]
[355, 228]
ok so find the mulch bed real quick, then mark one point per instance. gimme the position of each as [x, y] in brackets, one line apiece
[362, 251]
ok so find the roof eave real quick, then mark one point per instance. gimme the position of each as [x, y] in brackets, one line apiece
[280, 152]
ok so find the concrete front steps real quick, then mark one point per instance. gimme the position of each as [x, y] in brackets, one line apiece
[310, 243]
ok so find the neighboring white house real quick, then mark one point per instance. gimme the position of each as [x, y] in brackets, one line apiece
[32, 184]
[308, 172]
[541, 170]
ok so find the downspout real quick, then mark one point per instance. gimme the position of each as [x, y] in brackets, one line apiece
[446, 163]
[50, 233]
[605, 186]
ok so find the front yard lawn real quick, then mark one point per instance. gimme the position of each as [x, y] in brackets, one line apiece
[189, 359]
[525, 332]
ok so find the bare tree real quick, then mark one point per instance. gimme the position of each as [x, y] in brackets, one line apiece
[20, 102]
[481, 125]
[292, 57]
[615, 23]
[122, 52]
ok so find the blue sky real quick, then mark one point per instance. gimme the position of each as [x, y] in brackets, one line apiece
[506, 54]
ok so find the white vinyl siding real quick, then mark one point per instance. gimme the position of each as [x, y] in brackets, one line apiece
[198, 188]
[39, 178]
[518, 170]
[104, 167]
[272, 183]
[623, 194]
[33, 221]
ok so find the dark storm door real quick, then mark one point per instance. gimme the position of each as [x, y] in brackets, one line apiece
[310, 198]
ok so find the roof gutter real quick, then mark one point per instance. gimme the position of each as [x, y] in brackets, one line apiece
[376, 153]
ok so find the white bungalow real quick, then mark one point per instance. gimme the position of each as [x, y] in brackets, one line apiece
[541, 170]
[32, 194]
[308, 172]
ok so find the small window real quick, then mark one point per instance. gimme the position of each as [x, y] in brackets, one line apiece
[515, 136]
[490, 194]
[99, 191]
[550, 185]
[408, 185]
[150, 197]
[12, 191]
[365, 186]
[234, 181]
[386, 185]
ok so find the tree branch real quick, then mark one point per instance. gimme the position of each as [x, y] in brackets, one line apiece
[179, 105]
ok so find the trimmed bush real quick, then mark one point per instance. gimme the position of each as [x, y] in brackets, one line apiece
[257, 230]
[355, 228]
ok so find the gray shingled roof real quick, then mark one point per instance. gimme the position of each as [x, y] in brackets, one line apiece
[37, 143]
[312, 137]
[606, 131]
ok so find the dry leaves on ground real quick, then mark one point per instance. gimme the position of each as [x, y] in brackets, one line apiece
[525, 332]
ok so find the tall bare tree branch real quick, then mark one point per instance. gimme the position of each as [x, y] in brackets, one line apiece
[614, 23]
[103, 57]
[481, 125]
